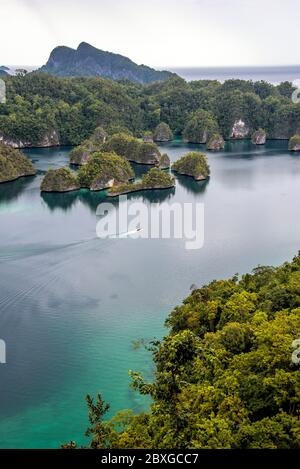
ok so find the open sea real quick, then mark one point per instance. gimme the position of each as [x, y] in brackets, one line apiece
[274, 74]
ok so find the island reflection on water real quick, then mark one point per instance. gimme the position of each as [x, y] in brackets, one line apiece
[71, 304]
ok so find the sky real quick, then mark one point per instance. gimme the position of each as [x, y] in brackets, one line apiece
[158, 33]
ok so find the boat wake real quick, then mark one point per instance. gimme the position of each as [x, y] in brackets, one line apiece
[124, 235]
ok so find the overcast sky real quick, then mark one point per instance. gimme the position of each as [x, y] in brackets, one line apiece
[159, 33]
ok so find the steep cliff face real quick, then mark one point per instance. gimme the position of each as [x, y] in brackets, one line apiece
[148, 153]
[163, 133]
[294, 143]
[60, 180]
[164, 162]
[200, 126]
[239, 130]
[259, 137]
[133, 149]
[215, 143]
[86, 60]
[81, 154]
[50, 139]
[152, 180]
[193, 164]
[103, 170]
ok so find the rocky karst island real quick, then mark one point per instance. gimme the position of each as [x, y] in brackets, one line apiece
[153, 179]
[294, 143]
[215, 142]
[136, 151]
[149, 301]
[223, 377]
[192, 164]
[131, 148]
[13, 164]
[60, 180]
[163, 133]
[259, 137]
[104, 170]
[80, 154]
[101, 171]
[104, 163]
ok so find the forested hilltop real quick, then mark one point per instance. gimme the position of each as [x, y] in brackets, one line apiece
[224, 376]
[42, 110]
[86, 61]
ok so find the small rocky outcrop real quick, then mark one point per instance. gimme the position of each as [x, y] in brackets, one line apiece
[79, 155]
[100, 183]
[215, 142]
[99, 136]
[104, 170]
[60, 180]
[200, 126]
[239, 130]
[13, 143]
[157, 179]
[50, 139]
[193, 164]
[164, 162]
[13, 164]
[163, 133]
[202, 138]
[148, 137]
[153, 180]
[133, 149]
[259, 137]
[294, 143]
[147, 153]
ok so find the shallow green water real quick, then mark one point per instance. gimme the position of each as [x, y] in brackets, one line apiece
[71, 304]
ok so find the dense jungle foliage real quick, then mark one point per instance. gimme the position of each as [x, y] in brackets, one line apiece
[224, 375]
[74, 107]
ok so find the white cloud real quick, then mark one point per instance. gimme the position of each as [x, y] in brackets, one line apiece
[158, 33]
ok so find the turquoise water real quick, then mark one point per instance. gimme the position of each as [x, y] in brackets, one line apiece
[71, 304]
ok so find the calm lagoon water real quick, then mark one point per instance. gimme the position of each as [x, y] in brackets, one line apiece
[71, 304]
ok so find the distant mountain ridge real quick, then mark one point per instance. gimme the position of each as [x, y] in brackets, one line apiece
[3, 70]
[86, 60]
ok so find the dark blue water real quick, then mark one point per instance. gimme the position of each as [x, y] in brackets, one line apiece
[71, 304]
